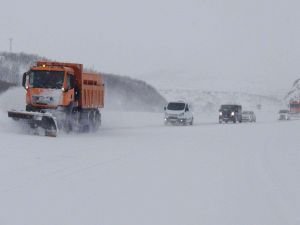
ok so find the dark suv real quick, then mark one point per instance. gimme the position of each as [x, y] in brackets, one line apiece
[230, 113]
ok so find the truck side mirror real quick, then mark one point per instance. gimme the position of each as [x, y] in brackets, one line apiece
[24, 79]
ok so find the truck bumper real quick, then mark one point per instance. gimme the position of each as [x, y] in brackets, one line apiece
[175, 121]
[226, 119]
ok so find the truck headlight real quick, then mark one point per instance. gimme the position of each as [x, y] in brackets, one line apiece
[232, 113]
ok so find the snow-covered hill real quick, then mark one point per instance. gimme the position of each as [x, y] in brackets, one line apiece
[12, 66]
[294, 93]
[207, 93]
[210, 101]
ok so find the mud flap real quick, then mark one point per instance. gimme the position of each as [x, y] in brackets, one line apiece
[37, 120]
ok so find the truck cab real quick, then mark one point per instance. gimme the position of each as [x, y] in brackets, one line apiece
[178, 112]
[48, 87]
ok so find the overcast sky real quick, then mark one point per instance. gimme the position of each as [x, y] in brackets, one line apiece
[250, 40]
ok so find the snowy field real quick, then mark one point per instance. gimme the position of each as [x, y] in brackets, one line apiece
[135, 171]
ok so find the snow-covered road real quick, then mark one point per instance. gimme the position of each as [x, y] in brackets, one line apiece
[135, 171]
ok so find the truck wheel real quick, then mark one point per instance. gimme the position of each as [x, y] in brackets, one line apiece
[75, 120]
[93, 120]
[84, 121]
[96, 122]
[68, 127]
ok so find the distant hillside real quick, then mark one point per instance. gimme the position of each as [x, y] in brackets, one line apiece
[294, 93]
[12, 66]
[210, 101]
[122, 93]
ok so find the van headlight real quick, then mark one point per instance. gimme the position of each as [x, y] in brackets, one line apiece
[232, 113]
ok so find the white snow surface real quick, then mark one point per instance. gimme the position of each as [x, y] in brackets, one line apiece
[135, 171]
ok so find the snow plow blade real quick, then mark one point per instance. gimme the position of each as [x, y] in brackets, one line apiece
[37, 120]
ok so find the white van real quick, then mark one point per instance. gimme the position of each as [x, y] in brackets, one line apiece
[178, 112]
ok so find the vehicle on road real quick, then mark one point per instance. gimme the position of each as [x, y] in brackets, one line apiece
[230, 113]
[178, 113]
[284, 114]
[61, 96]
[248, 116]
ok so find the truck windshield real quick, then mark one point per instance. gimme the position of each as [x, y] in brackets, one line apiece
[176, 106]
[46, 79]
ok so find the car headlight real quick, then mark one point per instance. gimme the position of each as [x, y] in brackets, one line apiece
[181, 114]
[232, 113]
[220, 113]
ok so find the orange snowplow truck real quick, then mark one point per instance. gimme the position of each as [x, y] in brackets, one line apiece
[61, 96]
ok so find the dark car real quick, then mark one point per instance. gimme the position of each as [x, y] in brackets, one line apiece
[248, 116]
[231, 113]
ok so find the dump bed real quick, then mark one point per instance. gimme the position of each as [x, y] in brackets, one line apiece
[92, 92]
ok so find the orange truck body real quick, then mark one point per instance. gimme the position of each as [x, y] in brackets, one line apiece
[61, 96]
[90, 87]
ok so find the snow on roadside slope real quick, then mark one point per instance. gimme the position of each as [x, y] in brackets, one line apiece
[136, 171]
[210, 101]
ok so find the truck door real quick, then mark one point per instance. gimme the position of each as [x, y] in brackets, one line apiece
[69, 94]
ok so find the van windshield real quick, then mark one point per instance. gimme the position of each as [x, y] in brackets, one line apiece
[176, 106]
[46, 79]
